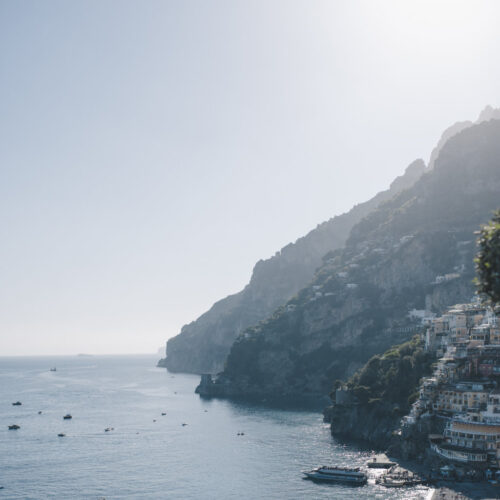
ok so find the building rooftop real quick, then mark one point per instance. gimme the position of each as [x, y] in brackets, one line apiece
[464, 425]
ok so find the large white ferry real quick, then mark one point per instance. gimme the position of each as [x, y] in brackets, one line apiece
[337, 474]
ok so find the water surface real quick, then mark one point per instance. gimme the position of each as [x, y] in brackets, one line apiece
[147, 455]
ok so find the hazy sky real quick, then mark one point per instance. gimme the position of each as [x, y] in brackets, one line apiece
[152, 151]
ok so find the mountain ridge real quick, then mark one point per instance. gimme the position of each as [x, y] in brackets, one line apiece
[414, 251]
[202, 345]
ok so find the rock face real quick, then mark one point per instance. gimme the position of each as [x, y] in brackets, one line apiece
[369, 406]
[414, 251]
[203, 345]
[488, 113]
[447, 134]
[413, 442]
[374, 424]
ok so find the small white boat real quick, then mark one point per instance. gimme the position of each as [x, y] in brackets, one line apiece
[337, 474]
[393, 483]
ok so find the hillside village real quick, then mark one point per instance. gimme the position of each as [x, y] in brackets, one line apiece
[463, 393]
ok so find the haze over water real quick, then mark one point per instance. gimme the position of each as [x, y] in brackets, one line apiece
[141, 458]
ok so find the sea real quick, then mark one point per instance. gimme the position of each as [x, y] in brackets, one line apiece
[200, 449]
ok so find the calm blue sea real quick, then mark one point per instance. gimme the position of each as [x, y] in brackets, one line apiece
[150, 456]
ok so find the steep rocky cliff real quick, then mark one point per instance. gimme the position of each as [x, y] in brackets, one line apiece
[203, 345]
[369, 405]
[488, 113]
[414, 250]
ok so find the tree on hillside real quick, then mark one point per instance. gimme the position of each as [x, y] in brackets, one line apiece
[488, 259]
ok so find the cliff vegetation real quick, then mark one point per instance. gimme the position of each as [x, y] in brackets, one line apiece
[379, 394]
[394, 376]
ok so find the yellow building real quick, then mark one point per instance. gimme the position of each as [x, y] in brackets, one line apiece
[460, 398]
[474, 436]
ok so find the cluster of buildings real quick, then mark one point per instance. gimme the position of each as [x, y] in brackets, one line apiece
[464, 391]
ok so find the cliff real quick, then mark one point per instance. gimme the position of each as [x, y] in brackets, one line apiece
[413, 251]
[203, 345]
[488, 113]
[380, 394]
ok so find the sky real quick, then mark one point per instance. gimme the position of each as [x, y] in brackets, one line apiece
[151, 152]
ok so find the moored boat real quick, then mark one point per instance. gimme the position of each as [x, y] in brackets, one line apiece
[389, 482]
[337, 474]
[399, 478]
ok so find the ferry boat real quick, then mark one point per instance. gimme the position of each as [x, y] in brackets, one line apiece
[337, 474]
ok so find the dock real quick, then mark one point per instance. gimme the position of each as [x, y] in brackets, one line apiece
[380, 461]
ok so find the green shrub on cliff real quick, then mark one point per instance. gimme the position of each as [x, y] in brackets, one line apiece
[394, 376]
[488, 259]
